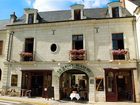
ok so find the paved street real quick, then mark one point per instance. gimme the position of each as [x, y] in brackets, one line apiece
[6, 100]
[96, 103]
[11, 103]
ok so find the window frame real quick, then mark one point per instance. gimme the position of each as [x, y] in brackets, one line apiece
[31, 18]
[77, 14]
[76, 38]
[14, 80]
[115, 12]
[1, 47]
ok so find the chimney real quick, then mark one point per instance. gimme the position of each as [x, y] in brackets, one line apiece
[13, 17]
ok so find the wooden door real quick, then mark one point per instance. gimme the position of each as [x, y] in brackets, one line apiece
[111, 91]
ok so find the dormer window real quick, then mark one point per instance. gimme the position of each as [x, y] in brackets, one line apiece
[115, 12]
[114, 9]
[31, 15]
[31, 18]
[77, 14]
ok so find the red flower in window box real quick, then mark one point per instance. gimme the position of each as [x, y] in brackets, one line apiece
[74, 57]
[80, 57]
[26, 54]
[119, 52]
[73, 52]
[81, 51]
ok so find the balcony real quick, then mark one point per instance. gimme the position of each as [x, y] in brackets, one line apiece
[120, 54]
[77, 54]
[26, 56]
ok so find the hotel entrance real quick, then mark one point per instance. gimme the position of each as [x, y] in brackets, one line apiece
[36, 81]
[74, 82]
[37, 85]
[119, 85]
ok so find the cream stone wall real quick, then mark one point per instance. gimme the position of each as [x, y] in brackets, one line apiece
[95, 43]
[3, 37]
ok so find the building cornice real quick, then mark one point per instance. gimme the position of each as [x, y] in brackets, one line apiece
[69, 23]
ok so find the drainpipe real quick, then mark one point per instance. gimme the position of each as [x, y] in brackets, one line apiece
[10, 42]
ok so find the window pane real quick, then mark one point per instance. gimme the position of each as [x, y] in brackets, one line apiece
[74, 37]
[115, 12]
[14, 79]
[29, 43]
[80, 37]
[117, 41]
[77, 14]
[0, 74]
[1, 47]
[110, 82]
[77, 42]
[31, 18]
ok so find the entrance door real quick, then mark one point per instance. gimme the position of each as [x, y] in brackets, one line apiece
[111, 93]
[37, 85]
[124, 87]
[119, 85]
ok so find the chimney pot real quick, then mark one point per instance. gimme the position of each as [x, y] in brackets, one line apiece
[13, 17]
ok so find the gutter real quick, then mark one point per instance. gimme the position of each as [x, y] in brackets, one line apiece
[10, 42]
[71, 21]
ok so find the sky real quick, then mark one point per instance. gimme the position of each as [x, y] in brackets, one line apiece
[7, 7]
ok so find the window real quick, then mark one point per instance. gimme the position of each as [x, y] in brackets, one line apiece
[29, 42]
[77, 14]
[1, 47]
[77, 42]
[0, 74]
[118, 44]
[115, 12]
[28, 52]
[31, 18]
[99, 84]
[14, 80]
[53, 47]
[110, 82]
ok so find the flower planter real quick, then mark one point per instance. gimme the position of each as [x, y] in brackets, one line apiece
[77, 54]
[119, 52]
[26, 54]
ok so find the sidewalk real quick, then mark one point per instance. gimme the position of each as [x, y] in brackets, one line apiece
[42, 101]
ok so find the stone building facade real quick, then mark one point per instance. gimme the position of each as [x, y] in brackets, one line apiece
[91, 51]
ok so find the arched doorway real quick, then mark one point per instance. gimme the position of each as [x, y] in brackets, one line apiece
[74, 80]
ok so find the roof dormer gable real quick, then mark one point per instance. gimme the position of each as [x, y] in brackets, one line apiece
[31, 15]
[115, 9]
[77, 12]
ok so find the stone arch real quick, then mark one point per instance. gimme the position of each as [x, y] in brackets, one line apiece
[71, 68]
[77, 67]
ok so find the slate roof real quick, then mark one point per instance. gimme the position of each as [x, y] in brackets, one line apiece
[3, 24]
[65, 15]
[137, 2]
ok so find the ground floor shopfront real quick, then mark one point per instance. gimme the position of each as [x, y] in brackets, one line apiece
[92, 84]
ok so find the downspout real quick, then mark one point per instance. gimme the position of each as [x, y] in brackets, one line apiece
[10, 42]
